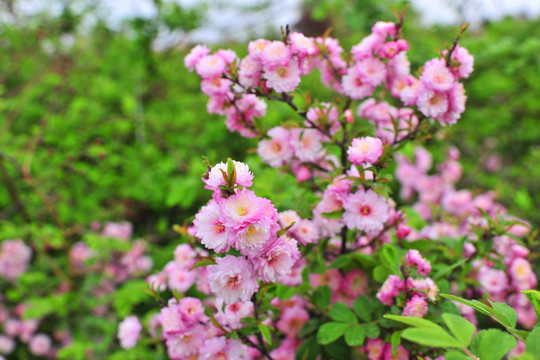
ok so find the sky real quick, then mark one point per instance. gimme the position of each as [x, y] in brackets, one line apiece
[231, 23]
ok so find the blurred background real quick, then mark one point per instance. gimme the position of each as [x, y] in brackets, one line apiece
[101, 121]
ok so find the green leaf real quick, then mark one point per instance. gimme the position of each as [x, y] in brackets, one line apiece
[340, 261]
[285, 292]
[448, 269]
[362, 308]
[365, 260]
[462, 329]
[430, 337]
[455, 355]
[533, 342]
[414, 321]
[507, 311]
[329, 332]
[231, 171]
[322, 296]
[534, 298]
[265, 333]
[355, 336]
[381, 273]
[395, 340]
[338, 214]
[308, 350]
[389, 257]
[372, 331]
[310, 326]
[494, 344]
[204, 262]
[341, 312]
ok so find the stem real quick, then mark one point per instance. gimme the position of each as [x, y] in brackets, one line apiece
[454, 44]
[261, 346]
[12, 189]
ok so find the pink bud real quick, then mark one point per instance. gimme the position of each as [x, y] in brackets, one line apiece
[403, 45]
[349, 117]
[303, 174]
[403, 231]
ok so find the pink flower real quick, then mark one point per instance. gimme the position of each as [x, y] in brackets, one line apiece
[196, 54]
[210, 66]
[233, 278]
[355, 85]
[178, 278]
[390, 289]
[121, 231]
[277, 260]
[276, 151]
[276, 53]
[436, 76]
[355, 283]
[401, 353]
[305, 232]
[234, 313]
[324, 114]
[210, 228]
[129, 332]
[302, 45]
[416, 307]
[181, 346]
[375, 349]
[256, 47]
[215, 178]
[191, 311]
[365, 150]
[372, 71]
[307, 144]
[283, 78]
[14, 258]
[462, 62]
[432, 103]
[523, 278]
[384, 28]
[170, 319]
[252, 239]
[7, 344]
[494, 281]
[365, 210]
[291, 320]
[40, 344]
[414, 259]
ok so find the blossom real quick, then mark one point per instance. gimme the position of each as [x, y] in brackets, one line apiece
[252, 239]
[494, 281]
[7, 344]
[121, 230]
[291, 320]
[215, 177]
[276, 53]
[276, 151]
[372, 71]
[365, 210]
[390, 289]
[129, 332]
[414, 259]
[365, 150]
[210, 66]
[233, 278]
[283, 78]
[210, 228]
[277, 260]
[14, 258]
[39, 344]
[355, 85]
[197, 53]
[416, 307]
[436, 76]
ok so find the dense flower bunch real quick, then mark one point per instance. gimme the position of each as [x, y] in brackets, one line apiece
[285, 285]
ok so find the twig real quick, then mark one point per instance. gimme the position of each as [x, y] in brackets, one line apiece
[454, 45]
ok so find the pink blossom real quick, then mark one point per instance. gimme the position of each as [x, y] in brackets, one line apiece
[210, 228]
[326, 115]
[416, 307]
[302, 45]
[39, 344]
[276, 53]
[277, 260]
[305, 232]
[191, 311]
[234, 313]
[171, 320]
[210, 66]
[523, 278]
[414, 259]
[180, 346]
[197, 53]
[307, 144]
[178, 278]
[390, 289]
[372, 70]
[365, 150]
[252, 239]
[276, 151]
[283, 78]
[436, 76]
[401, 353]
[432, 103]
[384, 28]
[355, 85]
[368, 46]
[494, 281]
[461, 62]
[355, 283]
[233, 278]
[215, 178]
[121, 231]
[365, 210]
[7, 344]
[14, 258]
[291, 320]
[129, 332]
[375, 349]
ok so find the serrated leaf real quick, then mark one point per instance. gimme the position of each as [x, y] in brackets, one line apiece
[495, 344]
[534, 298]
[430, 337]
[362, 308]
[265, 333]
[462, 329]
[507, 311]
[455, 355]
[330, 332]
[341, 312]
[355, 336]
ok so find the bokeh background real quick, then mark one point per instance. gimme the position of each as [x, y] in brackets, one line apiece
[100, 121]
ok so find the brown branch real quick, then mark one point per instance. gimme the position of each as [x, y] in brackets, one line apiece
[455, 43]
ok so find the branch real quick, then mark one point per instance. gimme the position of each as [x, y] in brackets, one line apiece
[454, 45]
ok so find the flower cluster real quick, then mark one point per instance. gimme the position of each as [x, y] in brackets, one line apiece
[14, 258]
[247, 223]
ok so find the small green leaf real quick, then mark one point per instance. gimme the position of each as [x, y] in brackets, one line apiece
[341, 312]
[231, 171]
[308, 350]
[430, 337]
[355, 336]
[533, 342]
[507, 311]
[204, 262]
[310, 326]
[340, 261]
[381, 273]
[448, 269]
[534, 298]
[395, 340]
[462, 329]
[329, 332]
[338, 214]
[372, 331]
[494, 344]
[362, 308]
[322, 296]
[265, 333]
[285, 292]
[284, 230]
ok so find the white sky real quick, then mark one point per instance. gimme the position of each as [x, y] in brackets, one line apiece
[233, 24]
